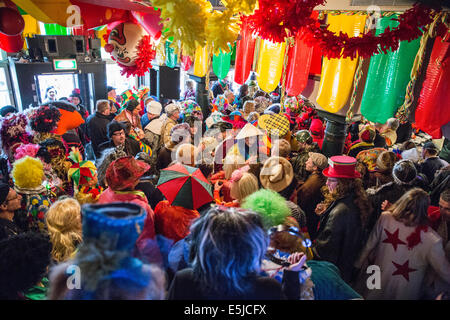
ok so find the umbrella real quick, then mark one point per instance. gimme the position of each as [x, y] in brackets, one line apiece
[185, 186]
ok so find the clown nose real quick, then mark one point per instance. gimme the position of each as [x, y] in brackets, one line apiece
[109, 48]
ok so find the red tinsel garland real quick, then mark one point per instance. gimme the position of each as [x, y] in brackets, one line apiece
[277, 19]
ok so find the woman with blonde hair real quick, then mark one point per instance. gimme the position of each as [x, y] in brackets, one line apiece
[404, 246]
[221, 179]
[64, 227]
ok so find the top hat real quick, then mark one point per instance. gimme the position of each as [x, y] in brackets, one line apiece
[341, 167]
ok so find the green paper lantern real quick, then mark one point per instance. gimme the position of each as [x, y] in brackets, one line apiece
[221, 64]
[387, 77]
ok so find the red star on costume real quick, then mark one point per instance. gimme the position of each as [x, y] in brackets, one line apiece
[393, 239]
[403, 269]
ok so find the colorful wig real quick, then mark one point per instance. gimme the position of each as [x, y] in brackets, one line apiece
[270, 205]
[28, 173]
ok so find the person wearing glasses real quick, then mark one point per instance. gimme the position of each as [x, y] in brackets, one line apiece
[10, 201]
[117, 134]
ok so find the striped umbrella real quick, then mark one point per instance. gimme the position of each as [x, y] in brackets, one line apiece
[185, 186]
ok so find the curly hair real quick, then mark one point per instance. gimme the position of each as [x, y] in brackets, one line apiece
[28, 172]
[24, 259]
[63, 220]
[346, 187]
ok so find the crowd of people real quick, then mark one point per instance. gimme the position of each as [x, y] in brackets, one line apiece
[148, 199]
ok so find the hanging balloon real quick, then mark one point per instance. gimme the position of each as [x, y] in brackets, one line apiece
[201, 61]
[388, 77]
[432, 111]
[270, 65]
[95, 15]
[299, 63]
[171, 57]
[316, 61]
[130, 46]
[186, 62]
[245, 49]
[221, 64]
[150, 21]
[11, 28]
[337, 74]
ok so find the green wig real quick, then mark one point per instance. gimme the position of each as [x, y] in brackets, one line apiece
[270, 205]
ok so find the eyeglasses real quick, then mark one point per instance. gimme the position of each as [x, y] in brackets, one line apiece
[119, 133]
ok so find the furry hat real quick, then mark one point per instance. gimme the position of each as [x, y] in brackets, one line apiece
[270, 205]
[45, 118]
[108, 156]
[404, 172]
[28, 149]
[28, 173]
[13, 131]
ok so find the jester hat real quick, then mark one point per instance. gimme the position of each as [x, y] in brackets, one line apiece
[81, 172]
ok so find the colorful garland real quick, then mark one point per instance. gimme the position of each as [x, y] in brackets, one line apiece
[277, 19]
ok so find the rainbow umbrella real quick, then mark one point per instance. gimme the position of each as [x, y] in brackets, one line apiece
[185, 186]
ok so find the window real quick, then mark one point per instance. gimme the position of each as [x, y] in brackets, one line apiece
[5, 98]
[113, 76]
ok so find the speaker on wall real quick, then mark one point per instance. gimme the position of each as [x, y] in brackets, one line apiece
[168, 83]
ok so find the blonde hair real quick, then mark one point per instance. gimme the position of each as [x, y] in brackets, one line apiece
[244, 187]
[63, 220]
[186, 154]
[231, 163]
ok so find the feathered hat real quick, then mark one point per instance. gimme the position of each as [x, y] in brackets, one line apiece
[81, 172]
[13, 131]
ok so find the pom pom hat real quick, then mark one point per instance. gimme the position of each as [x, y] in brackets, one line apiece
[342, 167]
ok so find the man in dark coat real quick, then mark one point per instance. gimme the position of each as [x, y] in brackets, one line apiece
[97, 125]
[432, 162]
[117, 136]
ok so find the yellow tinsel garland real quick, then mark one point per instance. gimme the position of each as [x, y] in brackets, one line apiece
[195, 23]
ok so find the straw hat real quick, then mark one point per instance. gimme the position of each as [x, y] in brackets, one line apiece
[248, 131]
[277, 174]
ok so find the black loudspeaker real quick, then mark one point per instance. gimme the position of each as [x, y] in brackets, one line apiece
[94, 47]
[168, 83]
[58, 46]
[34, 50]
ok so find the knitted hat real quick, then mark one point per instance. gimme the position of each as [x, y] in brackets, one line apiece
[76, 93]
[123, 173]
[276, 174]
[404, 172]
[154, 107]
[113, 127]
[316, 127]
[367, 133]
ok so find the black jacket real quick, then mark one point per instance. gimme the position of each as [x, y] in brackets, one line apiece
[97, 131]
[340, 235]
[185, 287]
[8, 229]
[131, 146]
[430, 166]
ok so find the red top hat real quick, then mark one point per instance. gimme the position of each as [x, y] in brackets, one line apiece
[341, 167]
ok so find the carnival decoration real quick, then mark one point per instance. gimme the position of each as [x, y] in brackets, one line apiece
[221, 64]
[244, 54]
[201, 61]
[387, 77]
[432, 111]
[337, 73]
[131, 47]
[11, 27]
[270, 65]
